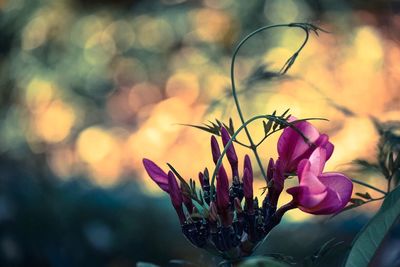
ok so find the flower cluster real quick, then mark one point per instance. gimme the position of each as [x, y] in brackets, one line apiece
[228, 220]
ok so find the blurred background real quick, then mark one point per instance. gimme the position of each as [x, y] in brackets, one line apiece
[88, 88]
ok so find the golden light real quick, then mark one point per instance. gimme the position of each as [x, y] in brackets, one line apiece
[38, 95]
[184, 85]
[94, 144]
[211, 25]
[54, 123]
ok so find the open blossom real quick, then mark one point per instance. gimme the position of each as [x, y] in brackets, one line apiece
[292, 148]
[318, 192]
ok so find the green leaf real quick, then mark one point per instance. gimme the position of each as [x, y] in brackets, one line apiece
[262, 262]
[365, 195]
[369, 239]
[145, 264]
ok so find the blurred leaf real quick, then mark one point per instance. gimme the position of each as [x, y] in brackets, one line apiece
[368, 240]
[262, 73]
[182, 263]
[366, 166]
[262, 262]
[281, 257]
[146, 264]
[322, 254]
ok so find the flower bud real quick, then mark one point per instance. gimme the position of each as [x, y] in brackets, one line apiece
[156, 174]
[222, 190]
[201, 179]
[230, 153]
[216, 152]
[176, 196]
[270, 170]
[248, 184]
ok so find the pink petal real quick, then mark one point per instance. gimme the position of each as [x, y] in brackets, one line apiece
[323, 141]
[338, 183]
[317, 160]
[305, 199]
[291, 145]
[339, 190]
[156, 174]
[331, 204]
[307, 178]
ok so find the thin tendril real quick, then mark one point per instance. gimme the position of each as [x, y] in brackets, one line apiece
[284, 69]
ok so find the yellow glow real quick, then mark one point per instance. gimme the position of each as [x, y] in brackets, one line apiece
[94, 144]
[99, 48]
[39, 94]
[282, 11]
[210, 25]
[184, 85]
[55, 122]
[35, 33]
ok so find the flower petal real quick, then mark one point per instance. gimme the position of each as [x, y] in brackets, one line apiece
[323, 141]
[309, 179]
[340, 184]
[156, 174]
[317, 160]
[291, 146]
[306, 200]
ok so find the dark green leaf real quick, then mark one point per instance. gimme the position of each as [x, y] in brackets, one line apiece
[369, 239]
[364, 195]
[357, 201]
[267, 126]
[146, 264]
[262, 262]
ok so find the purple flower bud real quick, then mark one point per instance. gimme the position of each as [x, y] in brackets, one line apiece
[156, 174]
[222, 190]
[248, 184]
[216, 153]
[248, 189]
[247, 164]
[174, 190]
[176, 196]
[201, 179]
[187, 200]
[270, 169]
[230, 153]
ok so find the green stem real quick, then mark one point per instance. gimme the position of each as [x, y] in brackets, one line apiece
[369, 186]
[284, 69]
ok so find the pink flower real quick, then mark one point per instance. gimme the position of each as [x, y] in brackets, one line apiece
[318, 192]
[292, 148]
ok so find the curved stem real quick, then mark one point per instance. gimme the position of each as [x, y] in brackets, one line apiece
[369, 186]
[284, 69]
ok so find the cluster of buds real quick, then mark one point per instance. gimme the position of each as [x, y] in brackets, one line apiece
[228, 220]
